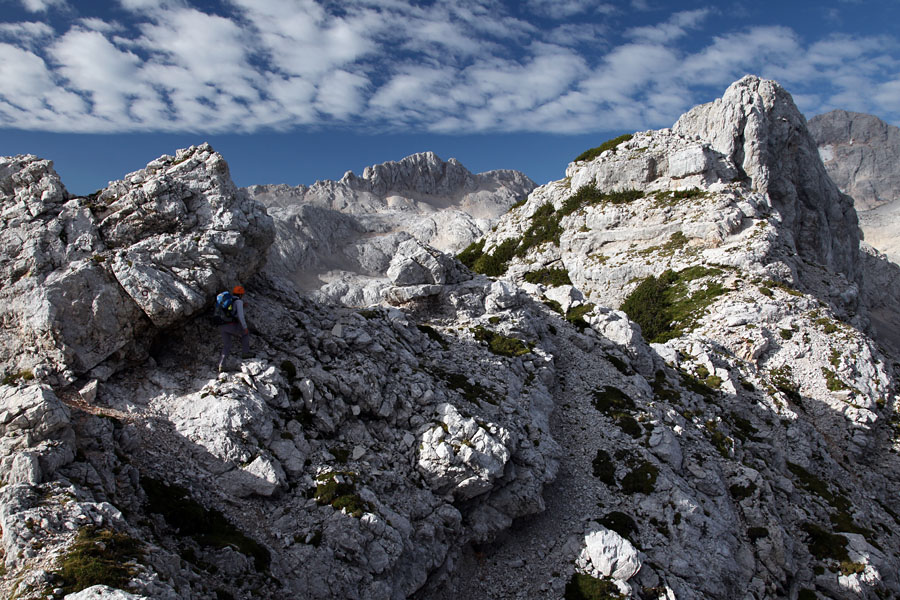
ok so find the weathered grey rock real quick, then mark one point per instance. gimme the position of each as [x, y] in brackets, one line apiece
[461, 457]
[758, 127]
[861, 153]
[337, 238]
[103, 592]
[608, 554]
[99, 273]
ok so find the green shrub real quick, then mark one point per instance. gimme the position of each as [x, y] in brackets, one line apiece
[741, 492]
[807, 594]
[575, 315]
[472, 392]
[648, 307]
[12, 378]
[813, 484]
[340, 494]
[611, 400]
[825, 545]
[433, 334]
[290, 371]
[549, 277]
[544, 228]
[98, 557]
[471, 253]
[832, 380]
[641, 479]
[501, 344]
[593, 153]
[755, 533]
[496, 263]
[585, 587]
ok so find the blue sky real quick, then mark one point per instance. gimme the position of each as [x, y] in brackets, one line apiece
[291, 91]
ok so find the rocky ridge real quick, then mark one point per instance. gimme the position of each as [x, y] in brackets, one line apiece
[516, 435]
[861, 153]
[336, 238]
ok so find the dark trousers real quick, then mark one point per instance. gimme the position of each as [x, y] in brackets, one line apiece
[229, 331]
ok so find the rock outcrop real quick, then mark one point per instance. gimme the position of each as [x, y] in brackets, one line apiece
[336, 238]
[89, 278]
[861, 153]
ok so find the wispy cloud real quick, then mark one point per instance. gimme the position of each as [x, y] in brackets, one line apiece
[40, 6]
[393, 65]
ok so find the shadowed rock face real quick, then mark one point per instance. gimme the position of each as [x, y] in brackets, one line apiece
[861, 154]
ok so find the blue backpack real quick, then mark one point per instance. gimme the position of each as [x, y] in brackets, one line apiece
[224, 311]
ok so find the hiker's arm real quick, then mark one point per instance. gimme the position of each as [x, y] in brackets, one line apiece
[240, 315]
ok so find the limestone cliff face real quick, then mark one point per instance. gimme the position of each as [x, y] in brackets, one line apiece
[861, 153]
[89, 277]
[758, 127]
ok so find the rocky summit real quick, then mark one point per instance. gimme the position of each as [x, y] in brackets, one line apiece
[861, 153]
[671, 374]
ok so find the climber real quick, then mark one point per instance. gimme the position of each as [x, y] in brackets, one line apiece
[234, 328]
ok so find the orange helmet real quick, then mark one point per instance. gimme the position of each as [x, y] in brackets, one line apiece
[238, 290]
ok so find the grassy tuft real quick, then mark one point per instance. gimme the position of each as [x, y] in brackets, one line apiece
[585, 587]
[593, 153]
[98, 557]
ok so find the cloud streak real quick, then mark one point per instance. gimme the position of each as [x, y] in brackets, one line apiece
[391, 65]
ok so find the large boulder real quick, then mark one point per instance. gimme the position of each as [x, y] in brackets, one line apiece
[88, 278]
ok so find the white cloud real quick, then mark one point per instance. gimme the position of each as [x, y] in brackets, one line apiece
[43, 5]
[29, 33]
[677, 26]
[564, 9]
[341, 94]
[446, 65]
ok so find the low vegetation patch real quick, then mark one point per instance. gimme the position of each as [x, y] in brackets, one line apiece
[592, 153]
[575, 315]
[585, 587]
[13, 378]
[783, 379]
[670, 197]
[98, 557]
[501, 344]
[473, 392]
[641, 479]
[433, 334]
[549, 277]
[604, 467]
[833, 382]
[338, 490]
[614, 403]
[621, 523]
[816, 486]
[663, 306]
